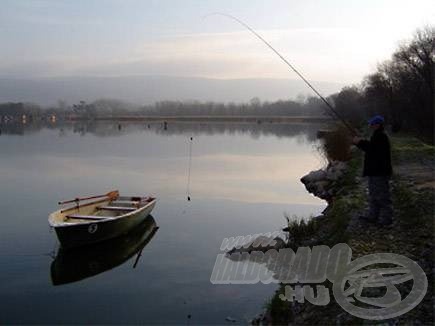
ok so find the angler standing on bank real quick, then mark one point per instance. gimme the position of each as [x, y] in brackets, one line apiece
[377, 162]
[377, 167]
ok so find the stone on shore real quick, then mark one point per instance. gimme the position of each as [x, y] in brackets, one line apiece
[319, 182]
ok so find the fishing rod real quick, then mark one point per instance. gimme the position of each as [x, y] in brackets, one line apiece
[352, 130]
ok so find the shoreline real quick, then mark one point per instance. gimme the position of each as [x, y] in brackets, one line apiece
[411, 234]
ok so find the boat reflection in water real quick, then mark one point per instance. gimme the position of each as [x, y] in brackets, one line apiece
[77, 264]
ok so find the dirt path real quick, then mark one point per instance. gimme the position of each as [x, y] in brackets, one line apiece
[414, 162]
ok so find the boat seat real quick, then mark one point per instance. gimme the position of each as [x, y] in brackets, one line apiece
[125, 202]
[117, 208]
[87, 217]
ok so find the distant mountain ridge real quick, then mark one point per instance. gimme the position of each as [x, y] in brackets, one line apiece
[150, 89]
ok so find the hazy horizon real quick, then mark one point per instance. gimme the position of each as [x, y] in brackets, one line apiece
[333, 43]
[143, 90]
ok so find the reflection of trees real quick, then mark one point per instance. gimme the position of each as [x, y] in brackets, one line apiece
[303, 131]
[19, 128]
[307, 131]
[12, 129]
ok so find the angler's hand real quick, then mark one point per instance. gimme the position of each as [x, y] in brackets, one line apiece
[356, 140]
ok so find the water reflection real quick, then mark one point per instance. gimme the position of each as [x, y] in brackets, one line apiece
[75, 265]
[113, 128]
[246, 162]
[239, 185]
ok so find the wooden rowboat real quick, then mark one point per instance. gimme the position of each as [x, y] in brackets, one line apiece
[98, 218]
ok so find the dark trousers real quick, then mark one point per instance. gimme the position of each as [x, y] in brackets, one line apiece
[380, 199]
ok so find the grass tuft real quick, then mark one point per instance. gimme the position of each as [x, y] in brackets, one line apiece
[336, 144]
[299, 228]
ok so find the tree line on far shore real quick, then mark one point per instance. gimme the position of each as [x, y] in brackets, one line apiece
[310, 106]
[401, 89]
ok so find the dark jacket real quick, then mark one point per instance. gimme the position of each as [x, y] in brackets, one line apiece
[377, 158]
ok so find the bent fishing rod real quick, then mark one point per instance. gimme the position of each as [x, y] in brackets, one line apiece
[352, 130]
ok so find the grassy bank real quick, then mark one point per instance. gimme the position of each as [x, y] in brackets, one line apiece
[410, 235]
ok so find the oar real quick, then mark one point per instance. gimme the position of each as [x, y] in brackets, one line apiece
[139, 254]
[110, 194]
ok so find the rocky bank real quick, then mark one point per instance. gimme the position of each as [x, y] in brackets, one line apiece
[411, 234]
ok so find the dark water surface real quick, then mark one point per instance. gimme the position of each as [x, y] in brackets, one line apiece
[243, 179]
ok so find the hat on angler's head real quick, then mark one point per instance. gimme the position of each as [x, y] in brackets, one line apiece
[376, 120]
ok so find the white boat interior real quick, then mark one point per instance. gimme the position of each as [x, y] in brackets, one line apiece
[110, 207]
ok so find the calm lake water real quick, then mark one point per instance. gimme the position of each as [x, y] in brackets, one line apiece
[243, 179]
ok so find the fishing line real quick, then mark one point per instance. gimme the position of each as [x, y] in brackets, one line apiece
[189, 169]
[352, 130]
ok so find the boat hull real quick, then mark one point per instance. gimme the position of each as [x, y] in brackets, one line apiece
[82, 234]
[75, 265]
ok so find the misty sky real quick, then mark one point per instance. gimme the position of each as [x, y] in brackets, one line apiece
[334, 40]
